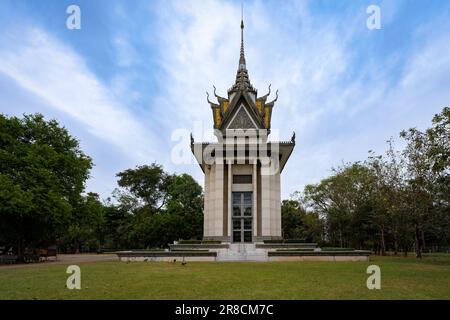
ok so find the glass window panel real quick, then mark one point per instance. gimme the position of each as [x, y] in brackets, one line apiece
[248, 211]
[236, 198]
[248, 224]
[236, 211]
[247, 198]
[247, 236]
[237, 224]
[237, 236]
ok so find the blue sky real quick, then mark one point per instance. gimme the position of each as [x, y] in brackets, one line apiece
[137, 71]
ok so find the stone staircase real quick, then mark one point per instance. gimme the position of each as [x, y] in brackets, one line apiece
[242, 252]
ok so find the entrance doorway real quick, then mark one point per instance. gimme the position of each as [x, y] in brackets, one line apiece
[242, 216]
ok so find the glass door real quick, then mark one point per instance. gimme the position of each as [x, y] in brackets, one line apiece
[242, 216]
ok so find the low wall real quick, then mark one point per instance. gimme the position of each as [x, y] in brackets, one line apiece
[166, 256]
[198, 246]
[319, 258]
[285, 245]
[356, 255]
[166, 259]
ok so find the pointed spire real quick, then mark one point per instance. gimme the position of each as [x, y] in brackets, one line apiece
[242, 56]
[242, 80]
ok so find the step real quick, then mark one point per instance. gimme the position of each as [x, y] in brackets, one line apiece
[242, 252]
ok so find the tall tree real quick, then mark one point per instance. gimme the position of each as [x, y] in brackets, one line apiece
[85, 231]
[147, 184]
[297, 223]
[395, 201]
[42, 175]
[344, 200]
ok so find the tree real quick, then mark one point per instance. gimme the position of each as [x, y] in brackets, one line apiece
[420, 178]
[85, 231]
[42, 174]
[185, 198]
[291, 219]
[297, 223]
[344, 200]
[428, 171]
[162, 207]
[392, 201]
[147, 184]
[118, 223]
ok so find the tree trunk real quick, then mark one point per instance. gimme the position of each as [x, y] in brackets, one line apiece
[418, 244]
[395, 241]
[423, 239]
[20, 248]
[383, 244]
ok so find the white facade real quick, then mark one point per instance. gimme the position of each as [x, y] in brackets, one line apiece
[242, 170]
[218, 208]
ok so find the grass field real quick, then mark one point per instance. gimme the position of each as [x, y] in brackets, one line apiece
[401, 278]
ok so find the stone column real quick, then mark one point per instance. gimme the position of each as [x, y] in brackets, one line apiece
[230, 200]
[218, 200]
[255, 198]
[207, 203]
[277, 205]
[273, 226]
[265, 203]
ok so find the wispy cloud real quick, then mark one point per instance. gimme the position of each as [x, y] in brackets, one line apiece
[57, 74]
[340, 99]
[306, 59]
[343, 89]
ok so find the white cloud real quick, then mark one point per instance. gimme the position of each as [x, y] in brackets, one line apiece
[339, 113]
[57, 74]
[339, 106]
[200, 48]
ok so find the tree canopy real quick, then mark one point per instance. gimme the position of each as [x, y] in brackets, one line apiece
[159, 207]
[42, 176]
[396, 201]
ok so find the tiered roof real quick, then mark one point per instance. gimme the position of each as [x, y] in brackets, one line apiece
[228, 113]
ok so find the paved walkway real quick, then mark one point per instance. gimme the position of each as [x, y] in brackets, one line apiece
[67, 259]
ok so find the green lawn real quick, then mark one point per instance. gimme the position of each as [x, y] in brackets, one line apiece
[401, 278]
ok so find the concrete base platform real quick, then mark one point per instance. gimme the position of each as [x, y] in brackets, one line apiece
[244, 252]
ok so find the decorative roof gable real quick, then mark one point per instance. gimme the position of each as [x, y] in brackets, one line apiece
[242, 93]
[242, 120]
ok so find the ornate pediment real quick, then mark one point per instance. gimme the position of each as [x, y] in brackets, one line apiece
[242, 120]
